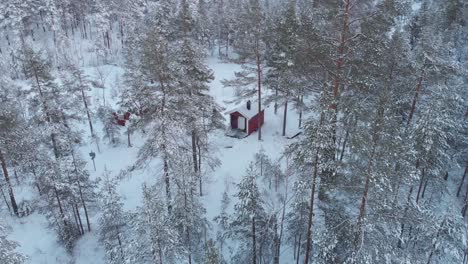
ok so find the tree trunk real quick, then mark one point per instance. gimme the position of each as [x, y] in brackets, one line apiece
[375, 139]
[276, 101]
[5, 199]
[301, 103]
[434, 244]
[189, 242]
[294, 247]
[108, 39]
[121, 32]
[276, 244]
[190, 250]
[283, 213]
[88, 114]
[16, 175]
[227, 45]
[462, 181]
[259, 87]
[121, 248]
[81, 194]
[421, 182]
[199, 167]
[60, 206]
[14, 205]
[465, 206]
[298, 248]
[194, 155]
[416, 96]
[285, 117]
[402, 229]
[425, 186]
[35, 180]
[342, 50]
[88, 223]
[344, 144]
[362, 211]
[254, 243]
[168, 185]
[76, 220]
[85, 30]
[85, 103]
[311, 212]
[160, 253]
[79, 219]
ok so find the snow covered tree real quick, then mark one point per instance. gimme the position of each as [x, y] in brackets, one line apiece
[222, 220]
[282, 75]
[64, 180]
[249, 217]
[79, 85]
[152, 237]
[270, 171]
[189, 213]
[12, 132]
[7, 250]
[193, 79]
[152, 90]
[110, 127]
[296, 218]
[204, 27]
[113, 220]
[212, 254]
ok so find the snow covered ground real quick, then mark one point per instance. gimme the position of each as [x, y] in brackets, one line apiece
[39, 242]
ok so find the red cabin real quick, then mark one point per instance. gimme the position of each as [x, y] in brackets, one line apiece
[121, 122]
[127, 116]
[246, 118]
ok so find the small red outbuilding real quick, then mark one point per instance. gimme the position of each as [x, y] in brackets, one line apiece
[246, 118]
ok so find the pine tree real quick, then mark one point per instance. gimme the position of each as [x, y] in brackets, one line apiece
[79, 85]
[249, 216]
[113, 220]
[152, 90]
[189, 214]
[110, 127]
[12, 132]
[64, 180]
[223, 222]
[212, 254]
[153, 238]
[282, 74]
[193, 79]
[7, 250]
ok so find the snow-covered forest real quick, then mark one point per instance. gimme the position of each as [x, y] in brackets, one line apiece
[233, 131]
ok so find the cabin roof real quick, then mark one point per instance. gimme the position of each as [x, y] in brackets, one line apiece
[246, 112]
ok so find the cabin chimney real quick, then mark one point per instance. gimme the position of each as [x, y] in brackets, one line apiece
[248, 105]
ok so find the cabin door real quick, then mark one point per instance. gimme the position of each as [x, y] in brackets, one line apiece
[241, 123]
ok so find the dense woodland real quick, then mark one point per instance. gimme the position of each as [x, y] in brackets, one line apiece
[380, 89]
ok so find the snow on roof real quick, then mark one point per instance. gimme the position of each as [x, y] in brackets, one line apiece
[242, 109]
